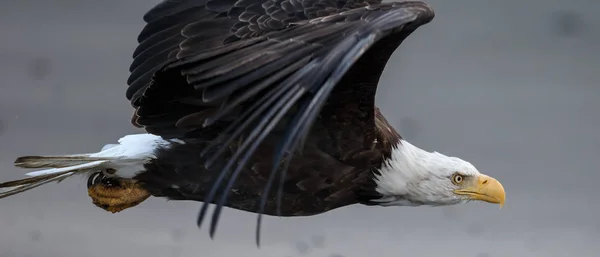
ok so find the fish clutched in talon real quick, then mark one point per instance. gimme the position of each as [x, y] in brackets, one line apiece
[115, 194]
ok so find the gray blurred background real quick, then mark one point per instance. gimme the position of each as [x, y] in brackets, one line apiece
[510, 85]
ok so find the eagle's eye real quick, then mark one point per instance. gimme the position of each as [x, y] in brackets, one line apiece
[457, 178]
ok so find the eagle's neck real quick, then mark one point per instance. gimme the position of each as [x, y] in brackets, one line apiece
[396, 181]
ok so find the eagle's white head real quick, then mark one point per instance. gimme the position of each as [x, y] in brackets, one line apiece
[413, 176]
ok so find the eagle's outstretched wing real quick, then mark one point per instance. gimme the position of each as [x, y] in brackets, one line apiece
[247, 66]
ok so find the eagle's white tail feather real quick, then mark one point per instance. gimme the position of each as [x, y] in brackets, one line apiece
[41, 177]
[6, 191]
[32, 162]
[75, 167]
[127, 158]
[108, 146]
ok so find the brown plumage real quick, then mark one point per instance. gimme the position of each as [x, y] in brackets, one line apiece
[322, 178]
[214, 73]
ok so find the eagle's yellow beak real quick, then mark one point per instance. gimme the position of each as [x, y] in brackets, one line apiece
[484, 188]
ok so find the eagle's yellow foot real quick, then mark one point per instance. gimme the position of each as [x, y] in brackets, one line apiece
[115, 194]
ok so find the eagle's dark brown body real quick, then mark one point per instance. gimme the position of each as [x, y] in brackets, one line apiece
[247, 84]
[323, 178]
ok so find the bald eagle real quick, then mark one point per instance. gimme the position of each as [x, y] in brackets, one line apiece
[266, 106]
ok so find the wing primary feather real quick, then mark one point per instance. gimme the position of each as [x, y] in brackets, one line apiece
[227, 69]
[321, 96]
[267, 189]
[281, 108]
[250, 57]
[263, 200]
[148, 48]
[247, 121]
[290, 142]
[264, 102]
[263, 71]
[312, 110]
[260, 86]
[279, 152]
[210, 54]
[254, 111]
[142, 67]
[219, 65]
[260, 105]
[288, 138]
[224, 144]
[293, 139]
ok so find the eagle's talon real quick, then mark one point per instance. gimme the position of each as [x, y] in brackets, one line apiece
[115, 194]
[110, 183]
[92, 179]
